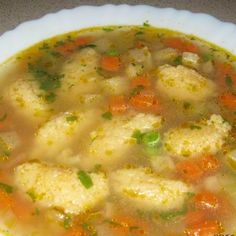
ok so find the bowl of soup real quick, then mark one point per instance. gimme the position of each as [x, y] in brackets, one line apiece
[117, 121]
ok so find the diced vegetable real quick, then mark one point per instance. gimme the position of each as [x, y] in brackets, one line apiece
[228, 100]
[107, 115]
[151, 139]
[209, 164]
[118, 105]
[189, 171]
[5, 187]
[190, 59]
[195, 217]
[165, 55]
[85, 179]
[141, 81]
[111, 63]
[145, 101]
[180, 44]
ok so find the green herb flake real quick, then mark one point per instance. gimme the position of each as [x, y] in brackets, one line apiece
[173, 214]
[36, 212]
[6, 188]
[187, 105]
[97, 168]
[32, 195]
[195, 127]
[151, 139]
[112, 223]
[138, 136]
[107, 29]
[51, 97]
[139, 33]
[71, 118]
[177, 61]
[85, 179]
[228, 81]
[87, 46]
[67, 222]
[107, 115]
[3, 117]
[44, 46]
[146, 23]
[136, 90]
[112, 52]
[208, 57]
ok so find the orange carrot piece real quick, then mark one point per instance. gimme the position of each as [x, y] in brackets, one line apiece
[194, 217]
[180, 44]
[228, 100]
[5, 201]
[70, 47]
[205, 228]
[127, 226]
[189, 171]
[110, 63]
[223, 69]
[207, 201]
[75, 231]
[141, 81]
[22, 209]
[118, 105]
[209, 164]
[145, 101]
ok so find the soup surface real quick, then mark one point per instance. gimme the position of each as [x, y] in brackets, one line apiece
[120, 131]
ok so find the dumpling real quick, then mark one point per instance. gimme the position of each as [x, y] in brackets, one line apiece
[110, 141]
[52, 186]
[206, 136]
[145, 189]
[183, 84]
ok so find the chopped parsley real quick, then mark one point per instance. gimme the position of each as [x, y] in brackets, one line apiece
[146, 23]
[107, 115]
[44, 46]
[67, 222]
[85, 179]
[149, 139]
[32, 195]
[87, 46]
[228, 81]
[3, 117]
[97, 168]
[195, 127]
[187, 105]
[71, 118]
[177, 61]
[137, 90]
[173, 214]
[6, 188]
[139, 33]
[46, 80]
[208, 57]
[107, 29]
[51, 97]
[112, 52]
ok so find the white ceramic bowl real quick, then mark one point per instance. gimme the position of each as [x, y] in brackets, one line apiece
[202, 25]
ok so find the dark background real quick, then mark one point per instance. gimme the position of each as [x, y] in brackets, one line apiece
[13, 12]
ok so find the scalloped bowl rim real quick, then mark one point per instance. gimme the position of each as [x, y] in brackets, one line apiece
[201, 25]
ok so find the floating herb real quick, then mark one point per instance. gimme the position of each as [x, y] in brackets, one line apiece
[71, 118]
[107, 115]
[146, 23]
[195, 127]
[85, 179]
[107, 29]
[137, 90]
[112, 52]
[51, 97]
[228, 81]
[6, 188]
[67, 222]
[177, 61]
[87, 46]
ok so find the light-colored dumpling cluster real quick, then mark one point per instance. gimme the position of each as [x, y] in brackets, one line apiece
[80, 74]
[110, 141]
[206, 136]
[52, 186]
[146, 190]
[27, 99]
[59, 133]
[182, 83]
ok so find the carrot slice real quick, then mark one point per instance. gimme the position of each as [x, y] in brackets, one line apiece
[194, 217]
[189, 171]
[228, 100]
[127, 226]
[118, 105]
[5, 201]
[70, 47]
[207, 201]
[209, 164]
[145, 101]
[141, 81]
[205, 228]
[180, 44]
[223, 69]
[76, 231]
[110, 63]
[139, 44]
